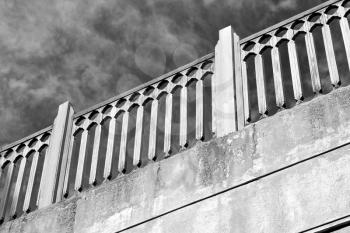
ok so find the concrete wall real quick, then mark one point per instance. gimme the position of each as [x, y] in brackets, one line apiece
[286, 173]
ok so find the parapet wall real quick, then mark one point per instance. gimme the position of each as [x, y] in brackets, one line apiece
[286, 173]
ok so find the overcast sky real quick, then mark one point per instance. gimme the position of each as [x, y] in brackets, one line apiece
[86, 51]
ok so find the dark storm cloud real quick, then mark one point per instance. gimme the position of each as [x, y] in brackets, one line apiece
[87, 51]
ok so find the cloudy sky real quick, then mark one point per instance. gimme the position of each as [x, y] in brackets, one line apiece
[86, 51]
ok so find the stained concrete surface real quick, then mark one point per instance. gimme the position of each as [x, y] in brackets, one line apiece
[58, 218]
[291, 200]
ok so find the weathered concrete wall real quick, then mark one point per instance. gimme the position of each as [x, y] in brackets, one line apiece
[58, 218]
[286, 173]
[291, 200]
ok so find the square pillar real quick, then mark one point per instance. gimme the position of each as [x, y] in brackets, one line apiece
[58, 149]
[227, 84]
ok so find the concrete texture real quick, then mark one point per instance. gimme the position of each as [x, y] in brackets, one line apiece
[291, 200]
[57, 218]
[286, 173]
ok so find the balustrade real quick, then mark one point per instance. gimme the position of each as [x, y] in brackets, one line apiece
[20, 174]
[288, 31]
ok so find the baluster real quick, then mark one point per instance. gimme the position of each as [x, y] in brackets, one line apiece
[123, 140]
[199, 108]
[2, 160]
[30, 185]
[260, 84]
[245, 92]
[311, 55]
[238, 82]
[214, 84]
[138, 136]
[153, 130]
[6, 190]
[183, 114]
[328, 44]
[81, 158]
[95, 150]
[167, 124]
[213, 104]
[69, 160]
[344, 26]
[277, 76]
[18, 185]
[294, 69]
[1, 173]
[40, 187]
[110, 145]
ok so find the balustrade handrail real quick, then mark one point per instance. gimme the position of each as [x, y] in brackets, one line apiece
[144, 85]
[288, 21]
[22, 140]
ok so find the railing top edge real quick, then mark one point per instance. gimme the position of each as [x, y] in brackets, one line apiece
[144, 85]
[287, 21]
[33, 135]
